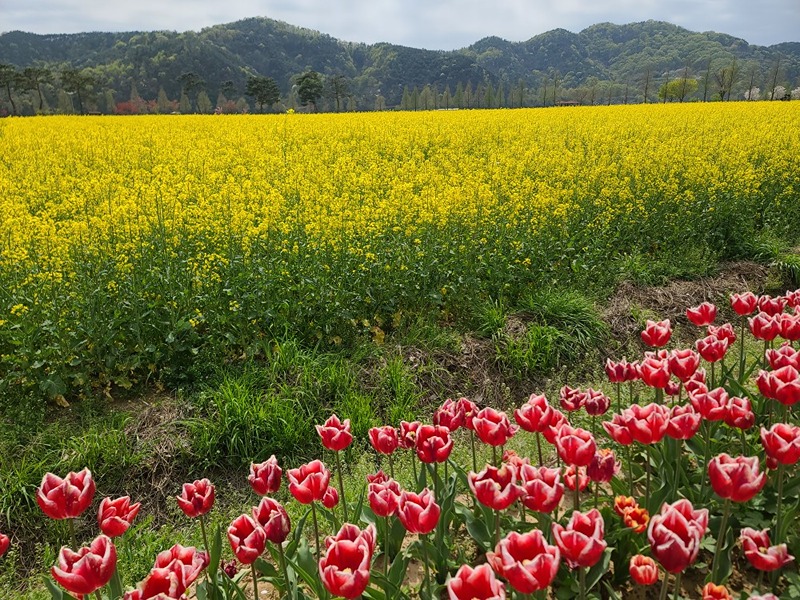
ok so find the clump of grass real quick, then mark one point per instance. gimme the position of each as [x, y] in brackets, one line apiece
[401, 393]
[534, 352]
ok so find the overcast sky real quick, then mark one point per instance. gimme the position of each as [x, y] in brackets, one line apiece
[432, 24]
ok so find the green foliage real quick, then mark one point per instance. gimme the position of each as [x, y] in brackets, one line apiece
[264, 91]
[310, 88]
[533, 353]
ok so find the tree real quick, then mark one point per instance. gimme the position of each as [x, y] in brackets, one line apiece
[773, 78]
[309, 88]
[78, 82]
[521, 92]
[228, 88]
[263, 90]
[678, 89]
[8, 79]
[458, 98]
[184, 105]
[204, 103]
[337, 89]
[33, 78]
[163, 103]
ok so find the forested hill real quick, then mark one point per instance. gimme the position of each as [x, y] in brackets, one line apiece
[603, 62]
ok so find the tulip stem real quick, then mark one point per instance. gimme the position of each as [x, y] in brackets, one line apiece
[212, 589]
[619, 396]
[283, 567]
[391, 466]
[741, 351]
[427, 568]
[713, 375]
[664, 587]
[255, 579]
[582, 577]
[726, 511]
[539, 447]
[630, 467]
[778, 508]
[386, 549]
[577, 488]
[706, 457]
[496, 527]
[414, 468]
[494, 455]
[316, 526]
[647, 483]
[73, 539]
[678, 585]
[659, 395]
[341, 485]
[472, 443]
[99, 597]
[596, 486]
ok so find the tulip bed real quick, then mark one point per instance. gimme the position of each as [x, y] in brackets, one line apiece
[706, 480]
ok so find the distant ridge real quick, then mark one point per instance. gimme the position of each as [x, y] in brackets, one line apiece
[609, 61]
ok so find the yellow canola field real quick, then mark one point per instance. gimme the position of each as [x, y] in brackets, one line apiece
[326, 212]
[107, 183]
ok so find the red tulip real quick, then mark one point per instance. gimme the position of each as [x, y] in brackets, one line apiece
[66, 498]
[188, 562]
[703, 314]
[542, 488]
[384, 497]
[713, 405]
[622, 371]
[475, 584]
[273, 519]
[793, 298]
[197, 498]
[765, 327]
[495, 488]
[526, 561]
[636, 519]
[575, 446]
[571, 399]
[407, 436]
[712, 349]
[450, 414]
[712, 591]
[351, 533]
[247, 539]
[654, 372]
[514, 459]
[740, 413]
[335, 434]
[617, 429]
[603, 467]
[683, 363]
[535, 415]
[782, 385]
[647, 424]
[643, 569]
[418, 513]
[785, 356]
[723, 332]
[265, 477]
[493, 427]
[581, 541]
[771, 306]
[384, 439]
[331, 498]
[596, 403]
[344, 569]
[115, 516]
[470, 410]
[551, 431]
[683, 423]
[88, 569]
[5, 542]
[696, 382]
[769, 596]
[736, 479]
[310, 482]
[675, 534]
[744, 304]
[657, 334]
[759, 552]
[434, 443]
[571, 473]
[782, 443]
[160, 584]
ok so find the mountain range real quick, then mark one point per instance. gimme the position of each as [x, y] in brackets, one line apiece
[620, 59]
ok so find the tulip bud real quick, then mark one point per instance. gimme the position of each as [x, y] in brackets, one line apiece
[335, 434]
[197, 498]
[265, 477]
[643, 569]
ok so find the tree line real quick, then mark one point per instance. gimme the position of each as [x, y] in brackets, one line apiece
[41, 90]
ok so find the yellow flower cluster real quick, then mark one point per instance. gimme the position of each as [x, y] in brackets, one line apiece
[316, 204]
